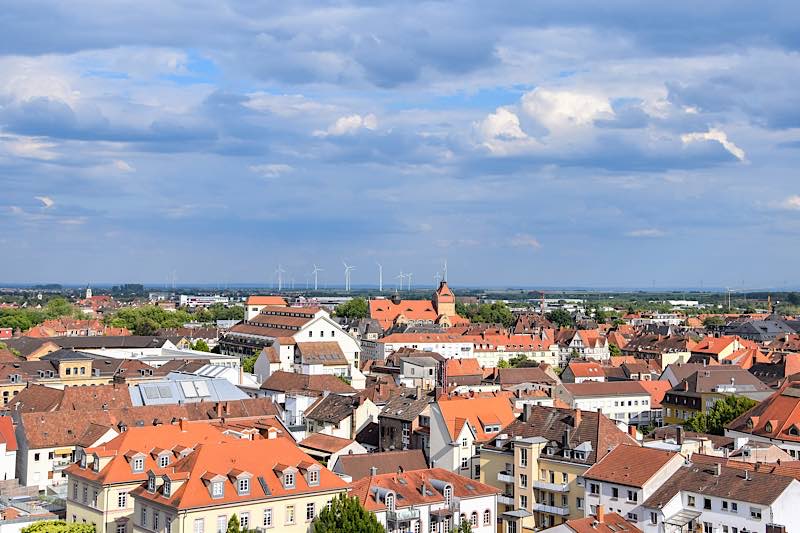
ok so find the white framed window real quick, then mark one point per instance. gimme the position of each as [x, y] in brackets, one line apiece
[167, 487]
[487, 517]
[288, 480]
[122, 499]
[217, 489]
[755, 513]
[244, 486]
[151, 483]
[290, 514]
[244, 520]
[120, 528]
[311, 511]
[222, 523]
[163, 460]
[464, 462]
[155, 520]
[523, 501]
[473, 519]
[267, 522]
[313, 477]
[143, 516]
[138, 464]
[199, 525]
[464, 442]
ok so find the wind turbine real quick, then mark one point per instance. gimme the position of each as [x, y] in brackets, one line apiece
[347, 269]
[410, 275]
[436, 278]
[316, 271]
[280, 272]
[380, 277]
[444, 270]
[401, 277]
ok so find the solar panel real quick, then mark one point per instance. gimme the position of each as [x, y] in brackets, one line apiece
[202, 388]
[151, 393]
[164, 391]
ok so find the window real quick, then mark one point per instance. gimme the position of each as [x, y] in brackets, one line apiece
[217, 489]
[167, 524]
[594, 489]
[313, 477]
[464, 463]
[222, 523]
[155, 520]
[464, 442]
[151, 483]
[654, 518]
[138, 464]
[288, 480]
[199, 525]
[267, 517]
[755, 513]
[564, 477]
[389, 501]
[244, 521]
[75, 491]
[724, 505]
[523, 480]
[523, 501]
[163, 460]
[94, 498]
[85, 494]
[143, 516]
[120, 528]
[734, 507]
[290, 514]
[487, 517]
[167, 487]
[614, 492]
[310, 333]
[579, 503]
[244, 486]
[708, 527]
[706, 503]
[473, 519]
[633, 516]
[523, 457]
[310, 512]
[36, 456]
[633, 496]
[690, 500]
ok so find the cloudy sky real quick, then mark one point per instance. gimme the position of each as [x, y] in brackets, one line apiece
[538, 143]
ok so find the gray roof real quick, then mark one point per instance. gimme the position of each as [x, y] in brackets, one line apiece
[184, 388]
[103, 341]
[403, 408]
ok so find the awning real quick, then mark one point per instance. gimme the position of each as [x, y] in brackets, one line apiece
[63, 451]
[682, 518]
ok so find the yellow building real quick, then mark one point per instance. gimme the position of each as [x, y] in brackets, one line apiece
[267, 483]
[536, 462]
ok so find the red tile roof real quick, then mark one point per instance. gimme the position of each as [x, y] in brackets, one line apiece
[478, 412]
[325, 443]
[629, 465]
[266, 300]
[7, 433]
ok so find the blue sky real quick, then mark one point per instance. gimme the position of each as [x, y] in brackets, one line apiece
[554, 143]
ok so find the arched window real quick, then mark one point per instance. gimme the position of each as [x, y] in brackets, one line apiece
[473, 519]
[448, 495]
[487, 517]
[389, 500]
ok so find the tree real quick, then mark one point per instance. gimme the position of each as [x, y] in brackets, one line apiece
[614, 350]
[355, 308]
[494, 313]
[464, 527]
[345, 514]
[722, 412]
[794, 298]
[58, 307]
[201, 346]
[146, 320]
[249, 363]
[233, 524]
[561, 318]
[502, 363]
[713, 321]
[57, 526]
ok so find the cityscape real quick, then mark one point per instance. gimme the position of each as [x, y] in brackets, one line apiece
[420, 267]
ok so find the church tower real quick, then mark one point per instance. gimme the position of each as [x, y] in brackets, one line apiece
[444, 301]
[88, 292]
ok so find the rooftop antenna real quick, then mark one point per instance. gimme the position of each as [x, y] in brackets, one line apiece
[380, 277]
[280, 272]
[347, 269]
[316, 271]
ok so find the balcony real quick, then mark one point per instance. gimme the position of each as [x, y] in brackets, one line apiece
[552, 487]
[505, 499]
[402, 515]
[551, 509]
[505, 477]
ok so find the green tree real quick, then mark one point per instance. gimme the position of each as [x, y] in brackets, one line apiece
[561, 318]
[233, 524]
[464, 527]
[713, 321]
[146, 320]
[345, 514]
[57, 526]
[794, 298]
[722, 412]
[614, 350]
[502, 363]
[201, 346]
[58, 307]
[494, 313]
[355, 308]
[249, 363]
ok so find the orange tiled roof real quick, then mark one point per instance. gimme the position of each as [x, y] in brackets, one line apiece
[478, 412]
[266, 300]
[629, 465]
[581, 369]
[463, 367]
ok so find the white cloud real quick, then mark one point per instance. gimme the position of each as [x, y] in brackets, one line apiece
[29, 147]
[123, 166]
[349, 124]
[714, 134]
[561, 110]
[791, 203]
[525, 240]
[47, 202]
[501, 132]
[272, 170]
[646, 233]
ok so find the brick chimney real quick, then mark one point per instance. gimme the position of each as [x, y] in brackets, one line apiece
[600, 514]
[577, 416]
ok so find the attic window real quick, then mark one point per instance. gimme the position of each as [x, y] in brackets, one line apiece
[138, 464]
[288, 480]
[83, 460]
[794, 431]
[151, 483]
[167, 487]
[768, 427]
[163, 460]
[749, 423]
[313, 478]
[217, 489]
[243, 487]
[95, 463]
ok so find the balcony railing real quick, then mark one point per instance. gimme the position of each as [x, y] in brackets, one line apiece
[552, 487]
[403, 515]
[505, 499]
[505, 477]
[552, 509]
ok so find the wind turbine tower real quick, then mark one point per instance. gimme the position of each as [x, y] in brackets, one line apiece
[410, 276]
[380, 277]
[316, 271]
[401, 277]
[347, 270]
[280, 272]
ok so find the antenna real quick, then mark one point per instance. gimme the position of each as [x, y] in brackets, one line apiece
[380, 277]
[347, 269]
[316, 271]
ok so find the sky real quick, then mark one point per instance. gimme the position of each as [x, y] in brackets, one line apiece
[550, 143]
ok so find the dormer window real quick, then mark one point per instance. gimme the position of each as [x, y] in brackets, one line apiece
[138, 464]
[95, 463]
[313, 477]
[768, 427]
[288, 480]
[83, 460]
[167, 487]
[163, 460]
[794, 431]
[243, 486]
[151, 483]
[389, 499]
[217, 489]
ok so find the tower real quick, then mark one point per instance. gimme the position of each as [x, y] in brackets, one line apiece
[88, 292]
[444, 301]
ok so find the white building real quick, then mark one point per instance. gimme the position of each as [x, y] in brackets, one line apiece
[193, 300]
[447, 345]
[622, 401]
[627, 476]
[432, 500]
[8, 448]
[719, 499]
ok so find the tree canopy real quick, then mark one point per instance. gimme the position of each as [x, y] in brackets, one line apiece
[713, 320]
[719, 415]
[146, 320]
[57, 526]
[26, 318]
[219, 312]
[355, 308]
[345, 514]
[494, 313]
[561, 318]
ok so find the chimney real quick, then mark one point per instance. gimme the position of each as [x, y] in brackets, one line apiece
[600, 514]
[182, 424]
[577, 418]
[747, 475]
[241, 375]
[373, 471]
[632, 432]
[527, 409]
[219, 409]
[679, 435]
[718, 469]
